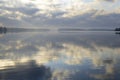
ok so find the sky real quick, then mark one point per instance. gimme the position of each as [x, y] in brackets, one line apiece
[60, 13]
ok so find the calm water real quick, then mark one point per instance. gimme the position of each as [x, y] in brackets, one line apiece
[60, 56]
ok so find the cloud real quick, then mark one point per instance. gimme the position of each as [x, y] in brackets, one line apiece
[13, 14]
[59, 13]
[108, 0]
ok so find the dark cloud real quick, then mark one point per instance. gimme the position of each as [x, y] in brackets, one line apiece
[84, 21]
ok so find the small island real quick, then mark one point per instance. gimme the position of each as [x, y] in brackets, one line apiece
[117, 29]
[3, 29]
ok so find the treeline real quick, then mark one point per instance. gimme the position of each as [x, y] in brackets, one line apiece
[3, 29]
[117, 29]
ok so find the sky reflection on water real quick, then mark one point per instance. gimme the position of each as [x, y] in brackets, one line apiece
[60, 56]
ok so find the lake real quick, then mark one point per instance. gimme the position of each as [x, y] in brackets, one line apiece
[60, 55]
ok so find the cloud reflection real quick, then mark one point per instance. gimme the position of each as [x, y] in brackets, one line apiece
[78, 58]
[71, 54]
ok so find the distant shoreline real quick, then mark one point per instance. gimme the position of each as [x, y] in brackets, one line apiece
[65, 29]
[17, 30]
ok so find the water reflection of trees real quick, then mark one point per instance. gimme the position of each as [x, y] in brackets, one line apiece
[26, 71]
[117, 33]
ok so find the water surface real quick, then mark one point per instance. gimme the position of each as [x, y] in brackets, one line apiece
[85, 55]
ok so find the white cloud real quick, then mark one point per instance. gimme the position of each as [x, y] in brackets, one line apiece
[107, 0]
[57, 12]
[69, 7]
[13, 14]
